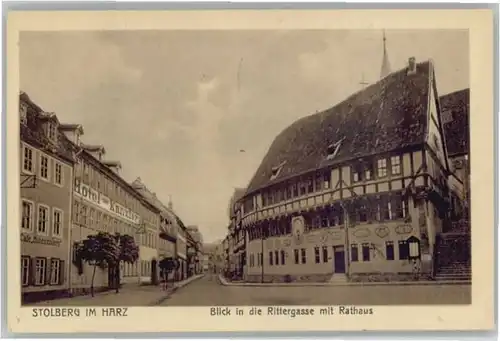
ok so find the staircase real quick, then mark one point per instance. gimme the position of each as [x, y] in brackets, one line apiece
[453, 257]
[338, 278]
[455, 271]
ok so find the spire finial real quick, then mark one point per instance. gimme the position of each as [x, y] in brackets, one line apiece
[386, 67]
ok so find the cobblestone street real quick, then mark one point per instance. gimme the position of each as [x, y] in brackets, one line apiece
[209, 292]
[128, 296]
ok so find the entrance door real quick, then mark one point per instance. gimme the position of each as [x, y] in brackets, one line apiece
[338, 259]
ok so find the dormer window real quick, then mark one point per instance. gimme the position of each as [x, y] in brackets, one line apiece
[333, 149]
[52, 131]
[275, 171]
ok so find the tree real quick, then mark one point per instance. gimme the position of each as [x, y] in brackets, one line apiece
[127, 252]
[98, 251]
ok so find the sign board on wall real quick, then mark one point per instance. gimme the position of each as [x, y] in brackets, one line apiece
[34, 239]
[84, 191]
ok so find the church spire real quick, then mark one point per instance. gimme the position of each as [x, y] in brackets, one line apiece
[386, 66]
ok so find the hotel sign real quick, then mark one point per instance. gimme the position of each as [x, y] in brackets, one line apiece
[33, 239]
[85, 192]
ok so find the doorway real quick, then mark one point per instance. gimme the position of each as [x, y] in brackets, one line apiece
[338, 259]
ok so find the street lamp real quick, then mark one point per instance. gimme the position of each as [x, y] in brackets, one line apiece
[346, 233]
[262, 237]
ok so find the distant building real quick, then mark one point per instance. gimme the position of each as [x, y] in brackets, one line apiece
[197, 258]
[236, 235]
[46, 165]
[167, 234]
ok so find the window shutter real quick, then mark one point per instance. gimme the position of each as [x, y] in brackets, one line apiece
[61, 272]
[32, 271]
[29, 273]
[48, 270]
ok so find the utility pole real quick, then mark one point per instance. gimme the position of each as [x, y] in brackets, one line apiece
[262, 256]
[346, 232]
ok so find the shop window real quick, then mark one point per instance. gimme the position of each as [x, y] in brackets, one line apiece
[316, 255]
[25, 270]
[365, 250]
[404, 250]
[40, 271]
[55, 272]
[303, 256]
[325, 254]
[389, 250]
[354, 253]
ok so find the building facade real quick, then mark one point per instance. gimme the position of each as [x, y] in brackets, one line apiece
[358, 192]
[167, 233]
[455, 115]
[104, 202]
[197, 247]
[46, 167]
[454, 245]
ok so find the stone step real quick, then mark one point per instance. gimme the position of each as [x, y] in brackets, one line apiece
[338, 279]
[443, 276]
[453, 278]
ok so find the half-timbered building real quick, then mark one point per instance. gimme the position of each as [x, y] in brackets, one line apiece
[358, 191]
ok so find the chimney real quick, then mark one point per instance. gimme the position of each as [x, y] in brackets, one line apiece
[170, 205]
[72, 132]
[412, 66]
[115, 166]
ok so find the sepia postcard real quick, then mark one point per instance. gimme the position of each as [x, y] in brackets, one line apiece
[245, 170]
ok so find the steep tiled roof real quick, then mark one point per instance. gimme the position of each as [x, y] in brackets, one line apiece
[384, 116]
[33, 132]
[455, 107]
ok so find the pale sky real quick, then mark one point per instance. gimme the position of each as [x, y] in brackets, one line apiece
[176, 107]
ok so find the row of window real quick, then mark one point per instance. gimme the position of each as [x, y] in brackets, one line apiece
[44, 168]
[403, 251]
[290, 190]
[102, 183]
[139, 268]
[368, 209]
[48, 221]
[40, 271]
[278, 257]
[364, 171]
[322, 181]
